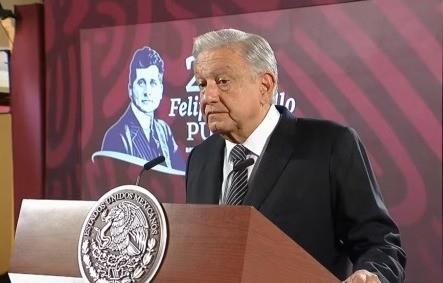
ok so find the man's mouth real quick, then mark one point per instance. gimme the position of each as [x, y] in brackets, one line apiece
[214, 114]
[211, 110]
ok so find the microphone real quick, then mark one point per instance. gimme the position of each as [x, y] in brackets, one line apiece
[237, 167]
[148, 165]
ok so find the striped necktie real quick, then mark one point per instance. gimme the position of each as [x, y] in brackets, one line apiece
[239, 184]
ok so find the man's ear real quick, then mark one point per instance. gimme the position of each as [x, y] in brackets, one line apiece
[267, 86]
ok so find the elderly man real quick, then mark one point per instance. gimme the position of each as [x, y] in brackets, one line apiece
[311, 178]
[138, 132]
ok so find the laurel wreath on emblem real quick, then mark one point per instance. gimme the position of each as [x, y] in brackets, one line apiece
[125, 255]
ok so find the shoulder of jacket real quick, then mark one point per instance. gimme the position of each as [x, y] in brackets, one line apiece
[210, 143]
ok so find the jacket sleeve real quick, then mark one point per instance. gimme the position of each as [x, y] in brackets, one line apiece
[363, 224]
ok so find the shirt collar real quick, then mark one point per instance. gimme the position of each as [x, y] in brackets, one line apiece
[144, 119]
[256, 142]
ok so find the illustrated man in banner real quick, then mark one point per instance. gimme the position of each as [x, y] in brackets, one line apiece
[138, 132]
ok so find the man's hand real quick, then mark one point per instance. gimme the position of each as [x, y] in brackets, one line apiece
[362, 276]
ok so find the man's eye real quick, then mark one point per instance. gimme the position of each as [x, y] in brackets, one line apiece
[141, 82]
[153, 82]
[223, 84]
[201, 85]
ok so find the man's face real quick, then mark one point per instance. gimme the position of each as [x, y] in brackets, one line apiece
[147, 89]
[233, 98]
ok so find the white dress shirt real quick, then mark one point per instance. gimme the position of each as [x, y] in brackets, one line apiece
[255, 143]
[144, 119]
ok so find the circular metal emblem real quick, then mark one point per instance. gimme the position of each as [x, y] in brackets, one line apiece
[123, 238]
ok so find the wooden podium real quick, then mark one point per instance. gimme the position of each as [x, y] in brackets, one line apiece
[206, 243]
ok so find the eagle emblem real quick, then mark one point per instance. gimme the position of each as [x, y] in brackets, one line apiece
[125, 231]
[123, 238]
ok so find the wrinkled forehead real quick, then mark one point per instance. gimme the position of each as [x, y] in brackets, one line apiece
[149, 72]
[223, 59]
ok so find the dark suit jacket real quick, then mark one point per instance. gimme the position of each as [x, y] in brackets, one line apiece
[315, 183]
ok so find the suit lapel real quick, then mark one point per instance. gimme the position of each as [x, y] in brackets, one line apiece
[138, 139]
[275, 157]
[211, 176]
[133, 124]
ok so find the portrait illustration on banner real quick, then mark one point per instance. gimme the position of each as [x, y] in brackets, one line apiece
[138, 135]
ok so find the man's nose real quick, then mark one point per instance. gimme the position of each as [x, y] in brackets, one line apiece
[146, 90]
[211, 93]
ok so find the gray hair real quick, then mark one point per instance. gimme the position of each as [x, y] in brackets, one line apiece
[256, 49]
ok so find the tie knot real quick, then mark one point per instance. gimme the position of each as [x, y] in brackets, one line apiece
[238, 153]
